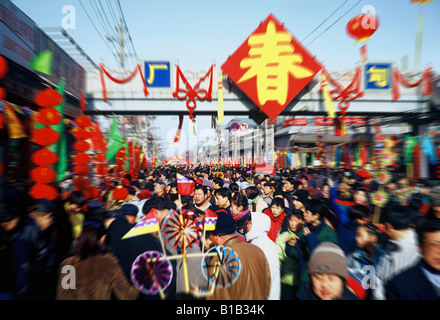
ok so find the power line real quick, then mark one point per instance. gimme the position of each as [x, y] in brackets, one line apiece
[313, 31]
[334, 23]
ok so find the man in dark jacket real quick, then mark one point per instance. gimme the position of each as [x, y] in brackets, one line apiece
[21, 253]
[421, 282]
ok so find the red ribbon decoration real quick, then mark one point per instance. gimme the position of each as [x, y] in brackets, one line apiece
[121, 81]
[190, 93]
[399, 79]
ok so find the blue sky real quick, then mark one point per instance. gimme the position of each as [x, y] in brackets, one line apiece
[198, 32]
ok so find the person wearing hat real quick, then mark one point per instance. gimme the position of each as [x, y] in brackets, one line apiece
[328, 272]
[254, 281]
[300, 199]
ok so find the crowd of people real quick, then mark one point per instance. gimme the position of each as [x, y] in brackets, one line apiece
[300, 234]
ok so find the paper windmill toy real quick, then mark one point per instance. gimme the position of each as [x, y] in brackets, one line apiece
[151, 273]
[183, 230]
[221, 269]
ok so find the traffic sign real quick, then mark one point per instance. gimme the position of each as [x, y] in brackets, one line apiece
[235, 126]
[244, 126]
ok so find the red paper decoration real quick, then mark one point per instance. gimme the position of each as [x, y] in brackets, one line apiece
[43, 191]
[81, 170]
[43, 175]
[2, 94]
[45, 136]
[190, 93]
[81, 146]
[83, 121]
[120, 81]
[81, 134]
[399, 79]
[363, 26]
[44, 158]
[120, 193]
[48, 98]
[48, 116]
[81, 183]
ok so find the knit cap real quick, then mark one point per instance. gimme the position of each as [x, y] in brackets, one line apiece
[328, 258]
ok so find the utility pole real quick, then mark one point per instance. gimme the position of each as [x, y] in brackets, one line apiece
[121, 46]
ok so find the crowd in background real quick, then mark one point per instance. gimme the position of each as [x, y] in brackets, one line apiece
[301, 234]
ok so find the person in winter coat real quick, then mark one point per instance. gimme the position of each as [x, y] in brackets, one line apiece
[315, 230]
[290, 245]
[257, 235]
[93, 272]
[328, 273]
[276, 214]
[401, 251]
[255, 200]
[358, 215]
[254, 282]
[21, 255]
[421, 282]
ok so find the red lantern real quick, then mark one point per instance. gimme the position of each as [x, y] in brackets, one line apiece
[43, 175]
[81, 158]
[49, 116]
[48, 98]
[81, 170]
[81, 146]
[81, 134]
[3, 67]
[43, 191]
[45, 136]
[120, 193]
[363, 26]
[44, 158]
[2, 121]
[83, 121]
[81, 183]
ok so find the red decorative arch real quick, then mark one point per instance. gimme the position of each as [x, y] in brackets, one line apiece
[177, 160]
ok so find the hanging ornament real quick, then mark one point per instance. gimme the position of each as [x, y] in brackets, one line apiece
[189, 93]
[45, 136]
[3, 67]
[362, 27]
[43, 191]
[48, 117]
[43, 175]
[47, 98]
[421, 2]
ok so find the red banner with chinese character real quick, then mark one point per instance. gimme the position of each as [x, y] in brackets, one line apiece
[271, 67]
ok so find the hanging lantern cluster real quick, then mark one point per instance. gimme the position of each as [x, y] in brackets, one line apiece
[43, 175]
[81, 159]
[320, 149]
[121, 158]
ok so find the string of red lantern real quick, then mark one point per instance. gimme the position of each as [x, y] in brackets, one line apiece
[130, 77]
[81, 159]
[399, 79]
[44, 158]
[190, 93]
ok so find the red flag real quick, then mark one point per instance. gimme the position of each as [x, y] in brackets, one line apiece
[185, 186]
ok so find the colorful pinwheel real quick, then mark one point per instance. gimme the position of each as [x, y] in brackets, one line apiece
[221, 266]
[182, 229]
[151, 273]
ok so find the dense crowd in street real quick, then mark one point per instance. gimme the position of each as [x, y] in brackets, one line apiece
[300, 234]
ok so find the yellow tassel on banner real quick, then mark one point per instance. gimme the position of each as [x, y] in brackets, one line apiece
[220, 112]
[327, 99]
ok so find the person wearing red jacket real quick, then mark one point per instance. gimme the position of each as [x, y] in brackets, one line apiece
[276, 214]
